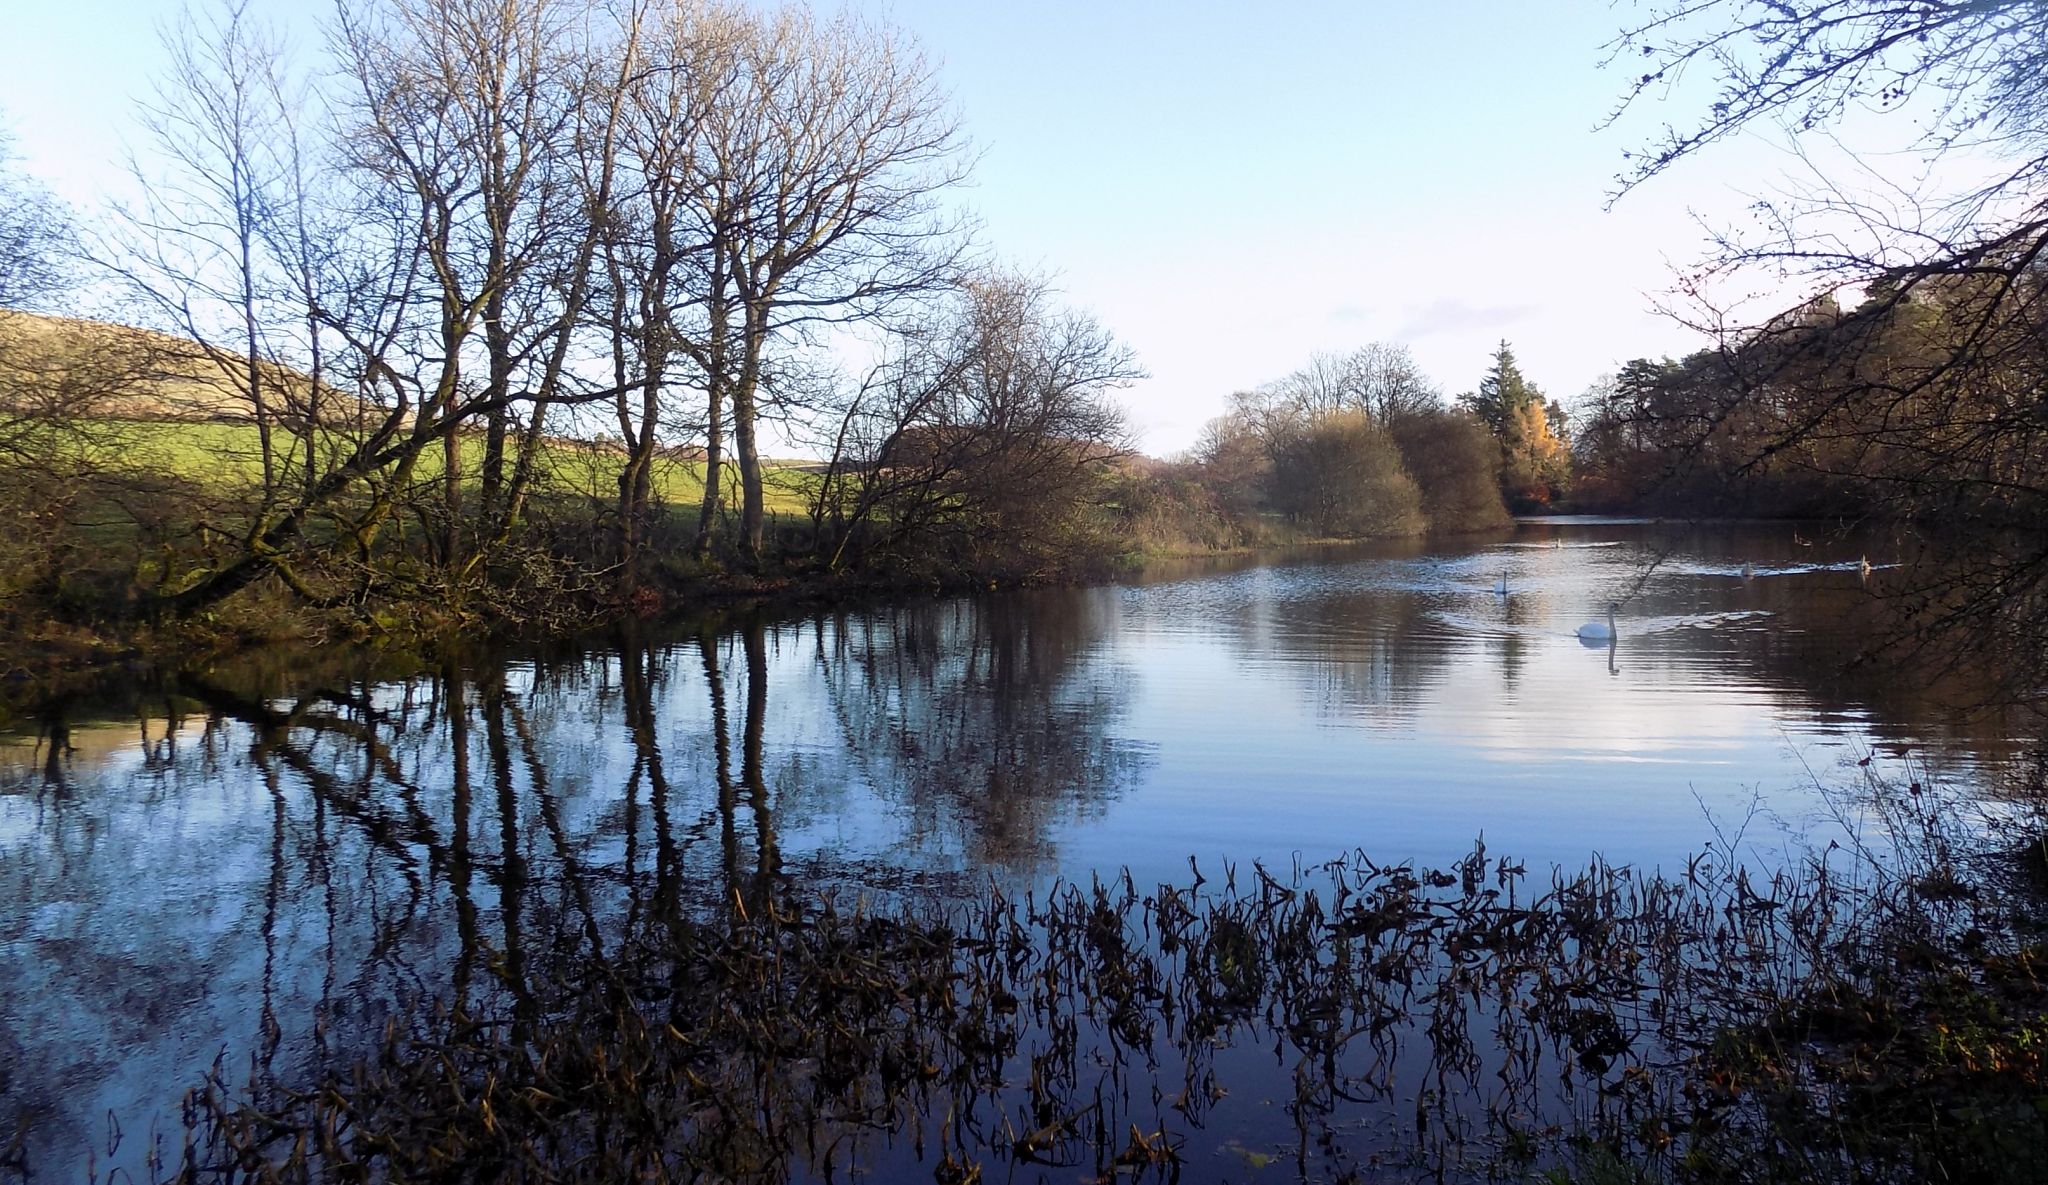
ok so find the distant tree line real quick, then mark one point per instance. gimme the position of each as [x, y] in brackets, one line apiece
[1914, 404]
[1352, 445]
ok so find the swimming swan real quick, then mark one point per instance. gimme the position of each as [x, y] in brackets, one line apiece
[1599, 631]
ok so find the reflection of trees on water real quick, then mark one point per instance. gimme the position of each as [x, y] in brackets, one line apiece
[987, 724]
[265, 881]
[417, 890]
[1366, 1022]
[242, 869]
[116, 937]
[753, 778]
[1374, 643]
[1373, 653]
[1837, 645]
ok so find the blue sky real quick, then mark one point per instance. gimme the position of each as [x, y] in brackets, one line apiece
[1228, 187]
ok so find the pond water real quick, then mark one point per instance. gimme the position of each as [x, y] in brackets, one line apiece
[227, 864]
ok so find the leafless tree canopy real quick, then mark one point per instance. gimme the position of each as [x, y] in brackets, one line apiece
[1379, 380]
[1971, 72]
[34, 237]
[984, 440]
[491, 280]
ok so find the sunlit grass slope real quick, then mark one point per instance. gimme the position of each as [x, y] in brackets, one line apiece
[224, 454]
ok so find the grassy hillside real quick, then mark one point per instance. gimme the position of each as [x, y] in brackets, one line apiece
[130, 373]
[162, 406]
[225, 454]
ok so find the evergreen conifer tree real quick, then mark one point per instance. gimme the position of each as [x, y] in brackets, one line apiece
[1535, 464]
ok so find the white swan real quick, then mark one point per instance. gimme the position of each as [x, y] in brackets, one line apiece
[1501, 589]
[1599, 631]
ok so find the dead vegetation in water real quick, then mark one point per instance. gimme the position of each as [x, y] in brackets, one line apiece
[1351, 1021]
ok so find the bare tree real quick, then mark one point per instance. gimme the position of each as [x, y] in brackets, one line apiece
[819, 202]
[984, 442]
[194, 246]
[657, 254]
[457, 235]
[441, 243]
[1965, 72]
[480, 116]
[35, 237]
[1381, 380]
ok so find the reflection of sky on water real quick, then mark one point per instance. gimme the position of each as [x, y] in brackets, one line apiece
[1396, 702]
[1404, 706]
[270, 855]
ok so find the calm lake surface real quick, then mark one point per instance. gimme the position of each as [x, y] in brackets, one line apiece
[196, 867]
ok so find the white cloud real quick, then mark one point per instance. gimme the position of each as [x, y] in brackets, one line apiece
[1457, 315]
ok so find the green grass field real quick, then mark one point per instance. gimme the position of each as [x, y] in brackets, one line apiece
[170, 414]
[223, 455]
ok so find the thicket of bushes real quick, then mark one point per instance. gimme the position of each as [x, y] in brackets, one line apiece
[1359, 445]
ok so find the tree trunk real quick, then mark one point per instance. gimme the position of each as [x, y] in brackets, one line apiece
[714, 480]
[498, 349]
[451, 499]
[752, 508]
[717, 328]
[721, 747]
[633, 509]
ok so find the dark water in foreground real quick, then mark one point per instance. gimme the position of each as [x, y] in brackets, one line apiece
[204, 867]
